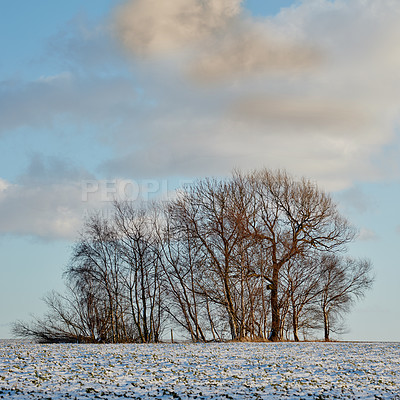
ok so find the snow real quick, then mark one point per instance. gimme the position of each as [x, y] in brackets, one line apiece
[202, 371]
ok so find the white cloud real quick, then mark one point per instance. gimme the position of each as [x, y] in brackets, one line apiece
[3, 186]
[366, 234]
[217, 38]
[39, 103]
[45, 201]
[57, 210]
[149, 27]
[52, 199]
[47, 211]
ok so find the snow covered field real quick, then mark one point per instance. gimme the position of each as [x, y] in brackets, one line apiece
[202, 371]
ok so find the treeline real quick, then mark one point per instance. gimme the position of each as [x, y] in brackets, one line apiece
[253, 257]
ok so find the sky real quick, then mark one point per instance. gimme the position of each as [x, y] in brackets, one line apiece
[134, 98]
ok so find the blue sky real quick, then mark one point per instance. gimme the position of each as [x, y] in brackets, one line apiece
[92, 97]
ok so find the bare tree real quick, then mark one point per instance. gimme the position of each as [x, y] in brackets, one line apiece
[182, 263]
[97, 260]
[72, 317]
[300, 278]
[341, 282]
[293, 218]
[209, 214]
[140, 249]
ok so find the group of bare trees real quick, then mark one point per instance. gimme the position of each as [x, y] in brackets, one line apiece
[256, 256]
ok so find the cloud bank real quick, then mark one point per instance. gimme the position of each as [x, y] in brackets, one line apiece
[188, 88]
[314, 89]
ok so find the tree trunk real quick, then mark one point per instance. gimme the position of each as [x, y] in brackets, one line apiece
[233, 320]
[326, 327]
[275, 328]
[295, 316]
[295, 328]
